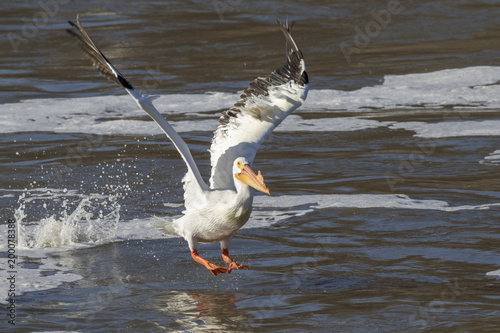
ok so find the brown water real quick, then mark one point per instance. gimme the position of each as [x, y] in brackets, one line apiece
[384, 228]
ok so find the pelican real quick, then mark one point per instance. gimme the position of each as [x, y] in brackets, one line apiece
[214, 212]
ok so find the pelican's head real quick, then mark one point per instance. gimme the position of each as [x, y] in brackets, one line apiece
[245, 174]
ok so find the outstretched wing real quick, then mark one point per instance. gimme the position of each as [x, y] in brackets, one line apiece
[261, 108]
[105, 67]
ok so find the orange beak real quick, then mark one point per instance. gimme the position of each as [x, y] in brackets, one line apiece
[249, 177]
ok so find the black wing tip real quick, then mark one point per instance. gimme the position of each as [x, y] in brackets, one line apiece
[99, 60]
[124, 83]
[73, 24]
[291, 71]
[71, 30]
[287, 26]
[293, 66]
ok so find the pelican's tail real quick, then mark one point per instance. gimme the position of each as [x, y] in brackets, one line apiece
[168, 229]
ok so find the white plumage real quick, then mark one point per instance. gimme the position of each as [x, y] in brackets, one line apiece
[213, 213]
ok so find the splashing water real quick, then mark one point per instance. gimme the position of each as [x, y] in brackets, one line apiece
[94, 220]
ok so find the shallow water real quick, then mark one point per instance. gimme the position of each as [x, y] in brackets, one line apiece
[385, 192]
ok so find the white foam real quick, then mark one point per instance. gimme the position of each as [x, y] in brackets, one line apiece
[494, 273]
[100, 115]
[451, 128]
[296, 123]
[94, 116]
[42, 275]
[84, 224]
[144, 228]
[269, 210]
[474, 87]
[291, 206]
[493, 157]
[94, 221]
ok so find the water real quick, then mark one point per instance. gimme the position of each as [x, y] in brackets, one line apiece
[384, 208]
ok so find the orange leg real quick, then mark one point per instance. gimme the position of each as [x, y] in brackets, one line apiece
[211, 267]
[231, 262]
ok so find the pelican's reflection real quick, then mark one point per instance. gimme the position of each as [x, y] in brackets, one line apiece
[201, 311]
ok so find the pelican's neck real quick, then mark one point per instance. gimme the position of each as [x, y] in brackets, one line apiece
[243, 191]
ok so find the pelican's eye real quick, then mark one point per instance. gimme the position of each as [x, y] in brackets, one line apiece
[239, 164]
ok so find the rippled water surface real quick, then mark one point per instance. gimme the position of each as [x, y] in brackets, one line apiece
[385, 184]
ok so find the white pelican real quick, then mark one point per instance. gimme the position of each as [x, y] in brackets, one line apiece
[213, 213]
